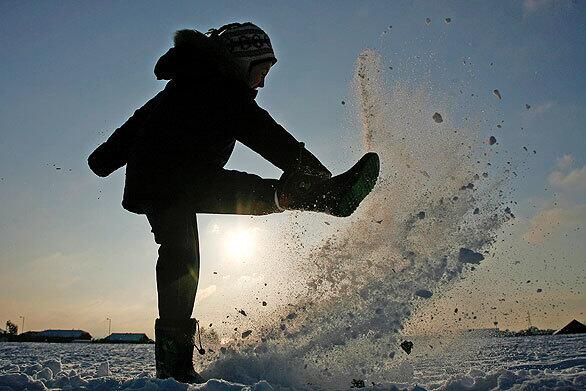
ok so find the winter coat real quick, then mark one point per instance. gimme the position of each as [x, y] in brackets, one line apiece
[177, 141]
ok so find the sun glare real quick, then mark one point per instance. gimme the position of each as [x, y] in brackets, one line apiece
[240, 244]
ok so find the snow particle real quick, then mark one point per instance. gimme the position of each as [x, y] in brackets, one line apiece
[492, 140]
[509, 213]
[437, 117]
[468, 256]
[427, 21]
[448, 20]
[407, 346]
[497, 93]
[424, 293]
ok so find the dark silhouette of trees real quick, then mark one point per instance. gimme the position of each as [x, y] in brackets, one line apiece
[11, 328]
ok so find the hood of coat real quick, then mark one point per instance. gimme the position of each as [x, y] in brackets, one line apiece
[197, 56]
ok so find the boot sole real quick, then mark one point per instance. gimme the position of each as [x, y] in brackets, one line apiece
[365, 179]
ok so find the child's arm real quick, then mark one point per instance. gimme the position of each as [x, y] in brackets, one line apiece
[113, 153]
[256, 129]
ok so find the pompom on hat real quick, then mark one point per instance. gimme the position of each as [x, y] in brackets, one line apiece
[248, 44]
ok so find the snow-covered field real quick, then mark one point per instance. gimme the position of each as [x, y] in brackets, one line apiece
[463, 363]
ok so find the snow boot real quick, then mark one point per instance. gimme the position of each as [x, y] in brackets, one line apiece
[338, 196]
[174, 344]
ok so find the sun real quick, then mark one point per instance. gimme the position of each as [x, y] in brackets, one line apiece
[240, 244]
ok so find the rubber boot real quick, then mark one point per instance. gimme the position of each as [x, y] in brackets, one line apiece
[338, 196]
[174, 344]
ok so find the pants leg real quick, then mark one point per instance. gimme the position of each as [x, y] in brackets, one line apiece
[235, 192]
[175, 230]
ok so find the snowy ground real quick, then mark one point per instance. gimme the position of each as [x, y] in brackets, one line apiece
[535, 363]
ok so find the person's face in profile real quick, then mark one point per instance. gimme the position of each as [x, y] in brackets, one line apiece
[258, 72]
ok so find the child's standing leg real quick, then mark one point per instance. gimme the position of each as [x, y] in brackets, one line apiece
[175, 230]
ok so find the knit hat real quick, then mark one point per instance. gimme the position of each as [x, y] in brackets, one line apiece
[247, 43]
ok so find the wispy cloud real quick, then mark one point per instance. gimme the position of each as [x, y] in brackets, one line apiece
[569, 181]
[565, 178]
[539, 109]
[565, 162]
[543, 107]
[534, 5]
[554, 220]
[48, 274]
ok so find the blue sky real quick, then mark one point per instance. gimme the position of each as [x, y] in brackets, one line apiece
[73, 72]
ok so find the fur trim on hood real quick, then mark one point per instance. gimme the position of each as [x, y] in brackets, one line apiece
[196, 55]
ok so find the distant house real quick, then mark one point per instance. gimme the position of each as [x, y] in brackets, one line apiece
[55, 336]
[574, 327]
[127, 338]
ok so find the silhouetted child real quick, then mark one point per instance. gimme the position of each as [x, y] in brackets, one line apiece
[175, 148]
